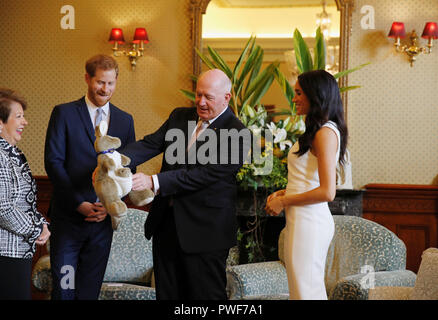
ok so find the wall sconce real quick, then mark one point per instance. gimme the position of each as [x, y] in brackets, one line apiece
[397, 31]
[137, 48]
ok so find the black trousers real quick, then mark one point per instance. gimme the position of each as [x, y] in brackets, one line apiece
[79, 253]
[15, 278]
[186, 276]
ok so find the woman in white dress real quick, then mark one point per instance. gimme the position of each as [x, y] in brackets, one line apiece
[311, 184]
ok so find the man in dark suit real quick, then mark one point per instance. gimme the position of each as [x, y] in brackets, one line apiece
[192, 218]
[81, 228]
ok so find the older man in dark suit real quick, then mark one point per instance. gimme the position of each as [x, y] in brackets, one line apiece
[81, 228]
[192, 219]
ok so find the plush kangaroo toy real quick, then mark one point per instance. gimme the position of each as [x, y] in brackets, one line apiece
[111, 180]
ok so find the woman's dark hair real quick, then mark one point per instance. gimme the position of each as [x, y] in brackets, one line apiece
[322, 91]
[7, 96]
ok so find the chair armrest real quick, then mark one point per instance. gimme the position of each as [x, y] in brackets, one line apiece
[390, 293]
[355, 287]
[254, 280]
[41, 274]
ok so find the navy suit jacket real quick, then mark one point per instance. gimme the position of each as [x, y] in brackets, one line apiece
[70, 158]
[203, 195]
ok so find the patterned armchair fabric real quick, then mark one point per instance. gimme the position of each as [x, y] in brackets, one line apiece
[361, 255]
[426, 284]
[129, 271]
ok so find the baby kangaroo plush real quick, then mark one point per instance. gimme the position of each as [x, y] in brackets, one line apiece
[111, 180]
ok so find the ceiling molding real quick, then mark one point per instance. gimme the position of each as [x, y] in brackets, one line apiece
[270, 3]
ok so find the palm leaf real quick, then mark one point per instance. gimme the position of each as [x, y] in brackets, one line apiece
[241, 59]
[302, 53]
[261, 89]
[220, 62]
[255, 69]
[259, 81]
[319, 52]
[205, 59]
[343, 89]
[188, 94]
[285, 112]
[345, 72]
[285, 87]
[249, 65]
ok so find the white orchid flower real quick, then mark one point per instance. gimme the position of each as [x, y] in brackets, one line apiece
[255, 129]
[300, 126]
[285, 143]
[272, 127]
[279, 135]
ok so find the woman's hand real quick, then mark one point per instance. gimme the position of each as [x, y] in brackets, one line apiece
[275, 205]
[276, 194]
[44, 236]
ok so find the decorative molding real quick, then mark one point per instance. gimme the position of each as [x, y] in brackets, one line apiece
[198, 8]
[394, 198]
[393, 205]
[346, 7]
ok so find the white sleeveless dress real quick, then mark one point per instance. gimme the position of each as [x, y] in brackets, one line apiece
[309, 228]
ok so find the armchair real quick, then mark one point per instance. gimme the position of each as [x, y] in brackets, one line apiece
[426, 284]
[362, 254]
[128, 275]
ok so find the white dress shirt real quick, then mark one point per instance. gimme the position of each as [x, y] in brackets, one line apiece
[92, 109]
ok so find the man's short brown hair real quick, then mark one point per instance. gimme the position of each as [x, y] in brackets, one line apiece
[7, 96]
[101, 61]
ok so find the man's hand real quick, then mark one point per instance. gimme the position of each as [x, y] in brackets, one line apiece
[140, 181]
[44, 236]
[93, 212]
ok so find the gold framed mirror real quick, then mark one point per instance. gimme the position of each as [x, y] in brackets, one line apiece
[345, 7]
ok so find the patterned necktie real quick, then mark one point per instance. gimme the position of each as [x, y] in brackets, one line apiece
[99, 116]
[200, 127]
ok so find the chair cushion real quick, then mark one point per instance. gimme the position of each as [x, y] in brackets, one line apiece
[125, 291]
[426, 285]
[256, 279]
[390, 293]
[130, 258]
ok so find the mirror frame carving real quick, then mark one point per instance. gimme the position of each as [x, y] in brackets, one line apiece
[345, 7]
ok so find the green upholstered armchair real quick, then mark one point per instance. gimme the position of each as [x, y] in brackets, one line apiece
[362, 255]
[426, 284]
[128, 275]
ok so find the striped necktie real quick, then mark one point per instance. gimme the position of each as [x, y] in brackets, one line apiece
[199, 129]
[99, 116]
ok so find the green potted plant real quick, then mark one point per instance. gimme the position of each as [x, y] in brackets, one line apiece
[249, 85]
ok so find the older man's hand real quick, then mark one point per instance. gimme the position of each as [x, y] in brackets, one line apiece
[140, 181]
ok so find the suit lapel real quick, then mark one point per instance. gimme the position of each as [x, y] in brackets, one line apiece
[85, 117]
[192, 116]
[218, 123]
[112, 126]
[222, 120]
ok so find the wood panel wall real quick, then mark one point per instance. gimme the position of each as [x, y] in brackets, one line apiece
[410, 211]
